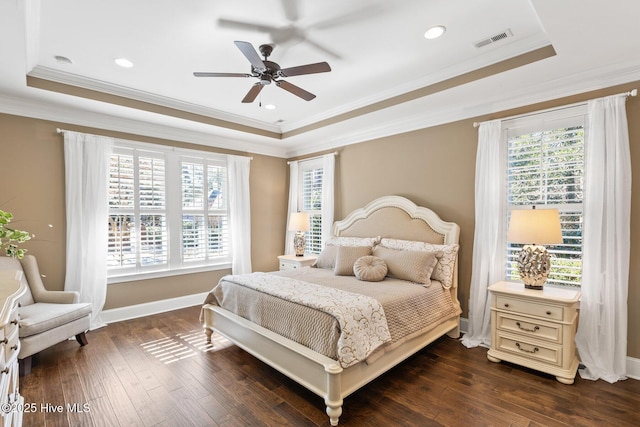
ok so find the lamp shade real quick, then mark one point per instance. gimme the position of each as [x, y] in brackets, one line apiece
[299, 221]
[535, 226]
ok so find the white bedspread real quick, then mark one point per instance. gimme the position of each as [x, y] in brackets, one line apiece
[363, 323]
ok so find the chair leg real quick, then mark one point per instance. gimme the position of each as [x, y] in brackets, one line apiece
[82, 339]
[24, 366]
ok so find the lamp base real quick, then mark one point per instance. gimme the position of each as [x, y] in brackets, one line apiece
[534, 263]
[299, 243]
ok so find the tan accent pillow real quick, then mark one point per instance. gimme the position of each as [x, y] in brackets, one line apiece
[445, 268]
[414, 266]
[327, 257]
[370, 269]
[347, 256]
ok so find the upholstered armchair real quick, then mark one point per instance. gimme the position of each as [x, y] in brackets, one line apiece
[46, 317]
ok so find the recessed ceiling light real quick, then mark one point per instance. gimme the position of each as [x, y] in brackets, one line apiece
[270, 107]
[62, 59]
[123, 62]
[435, 32]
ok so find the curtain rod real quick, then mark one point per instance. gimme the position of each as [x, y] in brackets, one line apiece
[58, 130]
[335, 153]
[633, 92]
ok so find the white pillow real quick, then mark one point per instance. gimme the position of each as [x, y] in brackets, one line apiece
[445, 268]
[352, 241]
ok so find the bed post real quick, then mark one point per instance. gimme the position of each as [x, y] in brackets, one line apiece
[207, 323]
[333, 398]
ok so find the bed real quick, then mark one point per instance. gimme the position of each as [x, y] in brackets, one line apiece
[389, 219]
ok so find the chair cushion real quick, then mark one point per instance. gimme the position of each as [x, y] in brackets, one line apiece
[41, 316]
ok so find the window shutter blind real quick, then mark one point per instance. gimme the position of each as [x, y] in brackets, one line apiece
[312, 204]
[546, 169]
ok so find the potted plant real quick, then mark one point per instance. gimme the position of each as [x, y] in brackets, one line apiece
[10, 238]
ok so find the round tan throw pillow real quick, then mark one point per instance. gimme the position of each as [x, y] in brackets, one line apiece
[370, 268]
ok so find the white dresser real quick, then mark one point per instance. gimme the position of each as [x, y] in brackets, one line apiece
[535, 328]
[11, 402]
[291, 262]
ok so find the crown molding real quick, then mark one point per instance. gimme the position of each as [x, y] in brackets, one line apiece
[584, 82]
[209, 136]
[71, 79]
[495, 56]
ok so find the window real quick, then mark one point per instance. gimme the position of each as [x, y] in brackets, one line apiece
[205, 220]
[310, 201]
[167, 210]
[545, 168]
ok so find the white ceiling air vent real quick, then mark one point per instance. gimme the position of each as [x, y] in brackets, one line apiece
[494, 38]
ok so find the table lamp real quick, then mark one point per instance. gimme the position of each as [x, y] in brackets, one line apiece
[299, 222]
[534, 228]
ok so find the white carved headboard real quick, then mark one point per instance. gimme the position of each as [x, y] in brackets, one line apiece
[396, 217]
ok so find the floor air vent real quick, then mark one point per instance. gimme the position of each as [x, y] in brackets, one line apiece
[495, 38]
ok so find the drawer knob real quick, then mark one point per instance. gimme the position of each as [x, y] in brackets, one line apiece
[548, 313]
[14, 347]
[535, 349]
[5, 370]
[506, 305]
[4, 341]
[536, 328]
[14, 322]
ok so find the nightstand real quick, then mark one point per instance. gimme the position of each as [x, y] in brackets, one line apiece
[292, 262]
[535, 328]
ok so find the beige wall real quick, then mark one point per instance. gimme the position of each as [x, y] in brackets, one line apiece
[33, 190]
[434, 167]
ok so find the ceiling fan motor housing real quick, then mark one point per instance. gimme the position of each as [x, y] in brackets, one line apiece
[268, 75]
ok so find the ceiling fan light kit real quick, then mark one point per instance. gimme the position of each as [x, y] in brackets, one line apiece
[268, 71]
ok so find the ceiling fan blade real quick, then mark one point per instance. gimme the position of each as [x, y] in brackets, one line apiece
[291, 10]
[253, 93]
[307, 96]
[318, 67]
[250, 53]
[322, 48]
[206, 74]
[244, 25]
[367, 10]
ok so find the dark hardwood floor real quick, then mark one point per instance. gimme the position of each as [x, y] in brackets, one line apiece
[158, 371]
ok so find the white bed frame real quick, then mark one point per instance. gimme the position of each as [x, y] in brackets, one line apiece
[318, 373]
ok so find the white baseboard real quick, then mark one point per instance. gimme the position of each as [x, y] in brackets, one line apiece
[149, 308]
[633, 368]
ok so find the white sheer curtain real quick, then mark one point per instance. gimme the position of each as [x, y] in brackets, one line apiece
[602, 333]
[328, 172]
[293, 205]
[87, 174]
[489, 237]
[238, 168]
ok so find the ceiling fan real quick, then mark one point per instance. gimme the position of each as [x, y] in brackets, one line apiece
[267, 71]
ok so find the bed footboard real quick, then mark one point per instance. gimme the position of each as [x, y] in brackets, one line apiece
[316, 372]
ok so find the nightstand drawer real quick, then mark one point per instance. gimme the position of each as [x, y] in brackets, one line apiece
[530, 327]
[530, 349]
[546, 311]
[288, 266]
